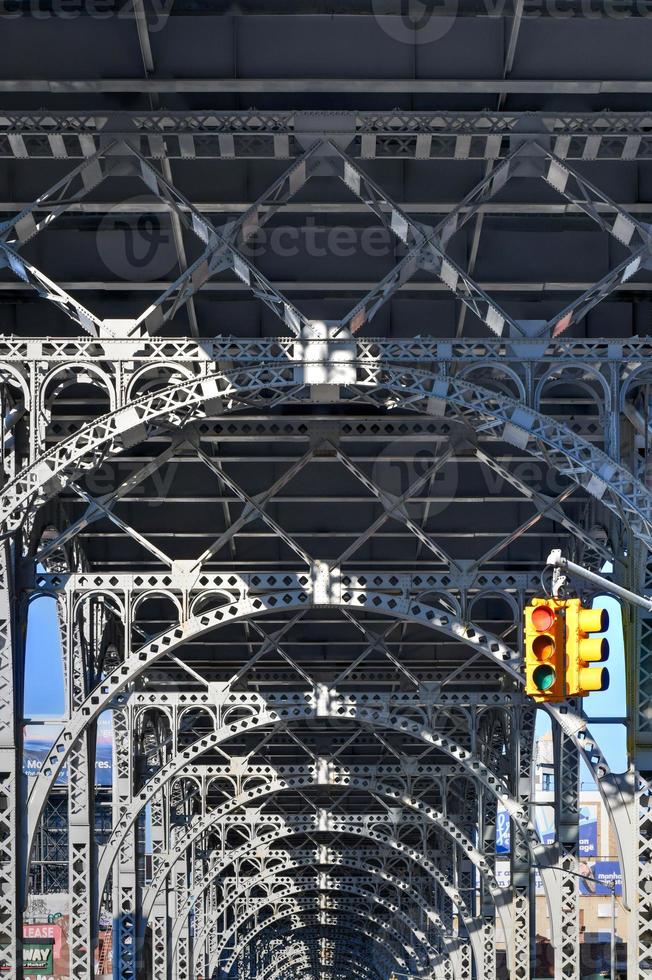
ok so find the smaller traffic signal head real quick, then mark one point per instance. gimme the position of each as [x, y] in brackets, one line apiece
[544, 637]
[584, 650]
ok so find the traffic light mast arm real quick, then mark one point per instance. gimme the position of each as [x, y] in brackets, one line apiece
[556, 560]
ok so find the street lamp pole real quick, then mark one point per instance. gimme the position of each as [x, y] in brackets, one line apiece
[613, 928]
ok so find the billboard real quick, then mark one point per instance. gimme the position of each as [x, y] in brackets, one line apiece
[39, 738]
[600, 876]
[504, 877]
[545, 819]
[588, 830]
[38, 955]
[45, 937]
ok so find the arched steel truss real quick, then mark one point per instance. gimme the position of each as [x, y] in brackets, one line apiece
[380, 841]
[385, 935]
[307, 958]
[408, 917]
[357, 912]
[377, 382]
[351, 936]
[417, 896]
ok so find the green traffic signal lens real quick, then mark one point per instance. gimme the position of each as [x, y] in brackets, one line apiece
[544, 677]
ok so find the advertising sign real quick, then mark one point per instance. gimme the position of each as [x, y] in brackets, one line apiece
[504, 877]
[588, 830]
[45, 937]
[38, 957]
[588, 840]
[546, 827]
[39, 739]
[502, 831]
[601, 875]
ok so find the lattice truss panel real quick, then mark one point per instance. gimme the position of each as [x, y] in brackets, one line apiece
[427, 249]
[293, 570]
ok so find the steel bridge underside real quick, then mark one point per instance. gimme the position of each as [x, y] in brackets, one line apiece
[297, 399]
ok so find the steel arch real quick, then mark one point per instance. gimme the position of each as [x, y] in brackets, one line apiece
[367, 929]
[584, 464]
[439, 620]
[379, 839]
[392, 880]
[412, 926]
[347, 940]
[457, 839]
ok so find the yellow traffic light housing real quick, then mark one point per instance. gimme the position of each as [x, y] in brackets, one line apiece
[583, 650]
[545, 641]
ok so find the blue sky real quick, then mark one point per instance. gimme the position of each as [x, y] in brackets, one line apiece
[44, 694]
[613, 702]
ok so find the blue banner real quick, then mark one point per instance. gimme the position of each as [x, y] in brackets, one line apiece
[601, 874]
[588, 831]
[502, 832]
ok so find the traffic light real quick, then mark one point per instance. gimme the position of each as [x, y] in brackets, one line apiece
[584, 650]
[545, 641]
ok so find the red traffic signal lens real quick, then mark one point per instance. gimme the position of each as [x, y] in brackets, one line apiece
[544, 677]
[542, 618]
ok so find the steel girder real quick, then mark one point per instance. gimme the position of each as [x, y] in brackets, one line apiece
[233, 933]
[354, 932]
[378, 832]
[539, 436]
[203, 745]
[216, 876]
[328, 918]
[199, 380]
[364, 904]
[307, 955]
[386, 845]
[344, 825]
[348, 936]
[418, 135]
[312, 962]
[11, 781]
[321, 775]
